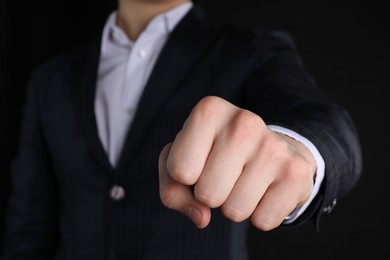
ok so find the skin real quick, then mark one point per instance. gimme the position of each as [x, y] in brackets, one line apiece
[226, 156]
[134, 15]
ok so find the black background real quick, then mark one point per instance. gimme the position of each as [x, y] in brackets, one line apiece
[345, 48]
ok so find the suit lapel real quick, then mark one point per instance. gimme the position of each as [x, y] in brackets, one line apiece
[185, 46]
[188, 41]
[86, 112]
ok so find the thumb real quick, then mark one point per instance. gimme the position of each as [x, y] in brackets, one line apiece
[180, 197]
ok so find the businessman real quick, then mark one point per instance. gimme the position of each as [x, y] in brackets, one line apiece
[164, 137]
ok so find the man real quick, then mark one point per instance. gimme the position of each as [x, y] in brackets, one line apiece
[164, 116]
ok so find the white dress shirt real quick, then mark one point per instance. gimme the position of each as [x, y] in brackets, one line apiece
[124, 68]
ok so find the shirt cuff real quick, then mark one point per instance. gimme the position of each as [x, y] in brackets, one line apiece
[320, 169]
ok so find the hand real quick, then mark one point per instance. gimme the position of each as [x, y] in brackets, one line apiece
[227, 157]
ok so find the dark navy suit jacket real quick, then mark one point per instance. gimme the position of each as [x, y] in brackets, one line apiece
[60, 206]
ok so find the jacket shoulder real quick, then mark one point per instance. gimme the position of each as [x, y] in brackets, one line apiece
[69, 64]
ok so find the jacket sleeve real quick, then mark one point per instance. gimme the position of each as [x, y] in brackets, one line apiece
[282, 92]
[31, 222]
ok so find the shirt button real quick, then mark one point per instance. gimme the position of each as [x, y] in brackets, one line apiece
[117, 193]
[142, 53]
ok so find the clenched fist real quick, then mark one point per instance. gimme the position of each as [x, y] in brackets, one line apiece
[227, 157]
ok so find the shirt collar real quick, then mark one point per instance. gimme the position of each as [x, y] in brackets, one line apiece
[164, 22]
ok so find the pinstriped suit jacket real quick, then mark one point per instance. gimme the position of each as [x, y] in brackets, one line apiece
[60, 205]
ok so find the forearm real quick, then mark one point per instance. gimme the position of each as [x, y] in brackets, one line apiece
[283, 93]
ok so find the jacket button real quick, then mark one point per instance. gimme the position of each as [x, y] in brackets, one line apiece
[330, 207]
[117, 193]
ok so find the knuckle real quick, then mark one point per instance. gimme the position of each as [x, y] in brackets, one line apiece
[208, 197]
[245, 125]
[211, 102]
[277, 149]
[207, 108]
[264, 223]
[233, 213]
[247, 119]
[297, 171]
[178, 172]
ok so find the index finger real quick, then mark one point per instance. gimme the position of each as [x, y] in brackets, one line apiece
[194, 142]
[180, 197]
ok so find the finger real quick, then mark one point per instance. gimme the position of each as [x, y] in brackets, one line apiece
[249, 189]
[219, 175]
[232, 148]
[193, 143]
[282, 197]
[274, 207]
[180, 197]
[267, 165]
